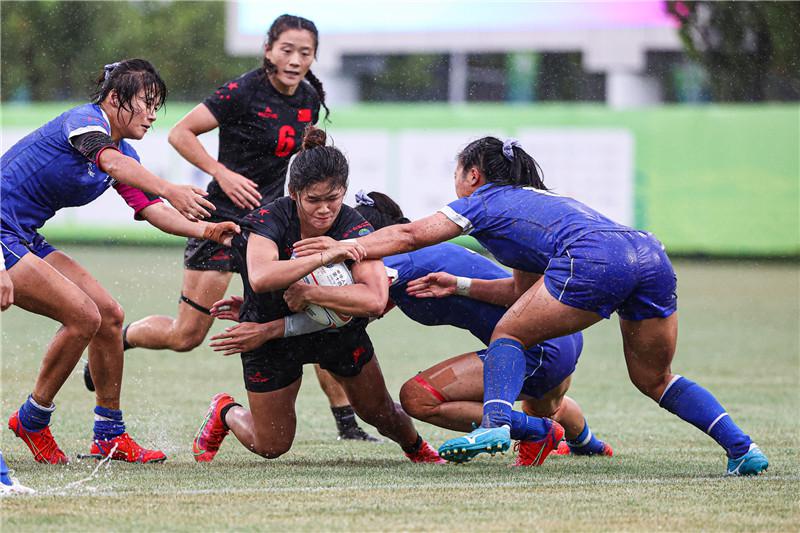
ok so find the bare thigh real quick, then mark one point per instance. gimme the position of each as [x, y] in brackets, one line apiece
[41, 289]
[536, 317]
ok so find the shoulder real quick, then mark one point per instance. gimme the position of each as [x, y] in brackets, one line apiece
[350, 224]
[85, 118]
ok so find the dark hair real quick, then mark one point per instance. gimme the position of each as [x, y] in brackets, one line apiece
[293, 22]
[317, 163]
[486, 154]
[127, 78]
[383, 212]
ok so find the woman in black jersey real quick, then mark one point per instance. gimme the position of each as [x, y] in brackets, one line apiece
[261, 117]
[272, 372]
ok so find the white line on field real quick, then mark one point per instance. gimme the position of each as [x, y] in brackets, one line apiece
[530, 484]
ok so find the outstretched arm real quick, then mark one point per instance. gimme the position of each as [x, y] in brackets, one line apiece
[503, 291]
[169, 220]
[187, 199]
[390, 240]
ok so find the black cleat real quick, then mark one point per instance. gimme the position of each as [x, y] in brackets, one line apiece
[87, 378]
[356, 433]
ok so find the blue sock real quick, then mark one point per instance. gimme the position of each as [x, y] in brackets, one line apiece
[696, 405]
[107, 423]
[524, 427]
[5, 478]
[503, 374]
[585, 443]
[33, 416]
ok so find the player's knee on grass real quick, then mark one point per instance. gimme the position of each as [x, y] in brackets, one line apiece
[417, 401]
[271, 450]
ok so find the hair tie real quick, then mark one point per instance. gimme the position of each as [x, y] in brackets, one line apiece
[362, 198]
[108, 69]
[508, 148]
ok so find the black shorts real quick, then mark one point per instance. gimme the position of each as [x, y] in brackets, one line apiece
[201, 254]
[278, 364]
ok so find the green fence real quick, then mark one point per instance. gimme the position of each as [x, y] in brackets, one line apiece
[717, 180]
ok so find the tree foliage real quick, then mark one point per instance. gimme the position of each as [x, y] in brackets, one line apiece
[751, 50]
[55, 50]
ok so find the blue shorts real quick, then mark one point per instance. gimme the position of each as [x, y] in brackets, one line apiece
[14, 247]
[548, 364]
[605, 271]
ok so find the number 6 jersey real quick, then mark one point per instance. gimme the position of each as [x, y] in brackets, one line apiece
[259, 130]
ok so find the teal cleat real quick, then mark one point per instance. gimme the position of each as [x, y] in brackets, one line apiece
[750, 464]
[481, 440]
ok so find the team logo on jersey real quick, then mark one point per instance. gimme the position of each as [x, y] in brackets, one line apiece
[267, 113]
[303, 115]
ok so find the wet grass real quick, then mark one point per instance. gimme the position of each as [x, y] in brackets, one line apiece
[740, 329]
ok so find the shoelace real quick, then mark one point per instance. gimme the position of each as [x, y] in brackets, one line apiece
[47, 451]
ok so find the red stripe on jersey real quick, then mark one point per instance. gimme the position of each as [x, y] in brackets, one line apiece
[304, 115]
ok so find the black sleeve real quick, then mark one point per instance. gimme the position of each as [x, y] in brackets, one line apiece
[92, 143]
[229, 101]
[270, 221]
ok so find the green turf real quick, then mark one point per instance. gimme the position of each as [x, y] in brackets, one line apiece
[739, 337]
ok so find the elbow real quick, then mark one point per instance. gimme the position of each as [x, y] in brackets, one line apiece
[375, 307]
[407, 239]
[174, 137]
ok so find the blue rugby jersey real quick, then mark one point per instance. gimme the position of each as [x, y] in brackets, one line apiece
[479, 318]
[43, 172]
[522, 227]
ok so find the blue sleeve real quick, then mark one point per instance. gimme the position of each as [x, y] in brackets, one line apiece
[468, 213]
[128, 150]
[84, 119]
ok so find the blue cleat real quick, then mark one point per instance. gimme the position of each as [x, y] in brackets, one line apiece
[481, 440]
[750, 464]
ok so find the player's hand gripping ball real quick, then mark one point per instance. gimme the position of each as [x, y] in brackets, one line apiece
[332, 275]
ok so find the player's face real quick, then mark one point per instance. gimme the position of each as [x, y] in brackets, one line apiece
[135, 123]
[318, 205]
[292, 55]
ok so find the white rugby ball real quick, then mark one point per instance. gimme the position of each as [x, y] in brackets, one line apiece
[332, 275]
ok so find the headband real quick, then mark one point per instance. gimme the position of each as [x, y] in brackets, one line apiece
[362, 198]
[508, 148]
[108, 69]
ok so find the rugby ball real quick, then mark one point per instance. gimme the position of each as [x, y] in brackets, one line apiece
[332, 275]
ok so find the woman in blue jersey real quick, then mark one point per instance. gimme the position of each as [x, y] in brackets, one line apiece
[69, 162]
[572, 268]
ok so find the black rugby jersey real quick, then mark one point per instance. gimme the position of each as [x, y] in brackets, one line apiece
[259, 130]
[279, 222]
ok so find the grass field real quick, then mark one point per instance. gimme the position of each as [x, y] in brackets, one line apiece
[739, 337]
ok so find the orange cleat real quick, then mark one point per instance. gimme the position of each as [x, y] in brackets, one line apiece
[41, 443]
[426, 454]
[212, 432]
[124, 448]
[564, 449]
[534, 452]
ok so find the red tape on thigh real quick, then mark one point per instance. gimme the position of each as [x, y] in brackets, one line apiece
[428, 387]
